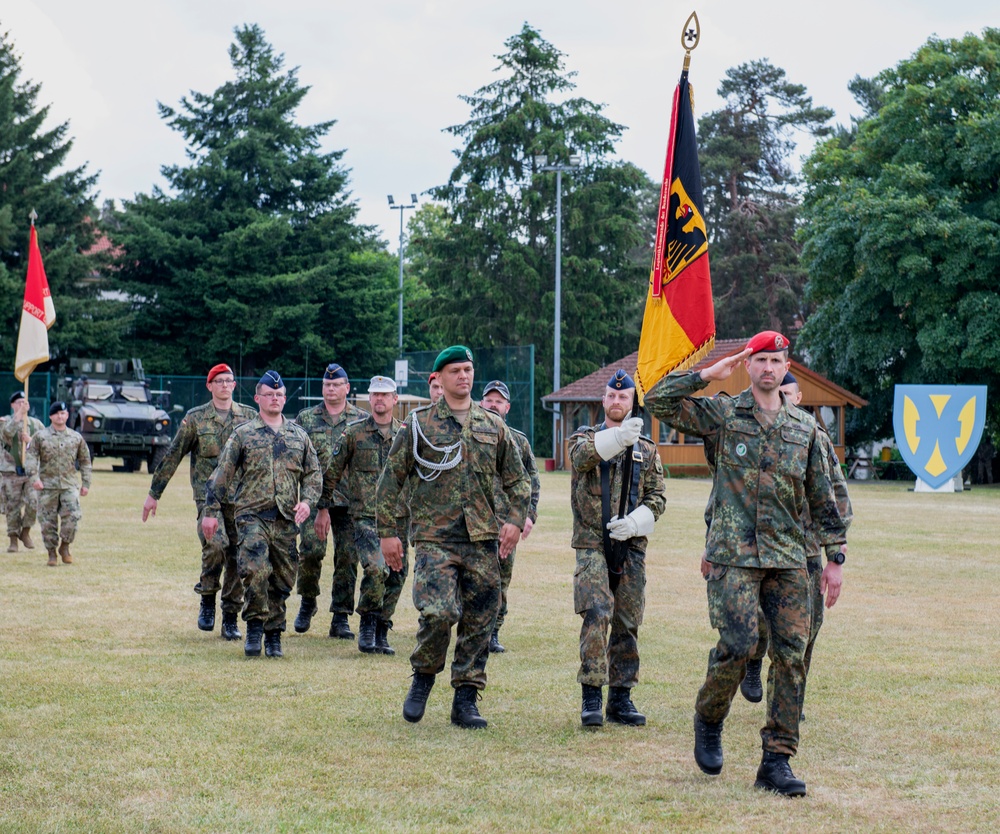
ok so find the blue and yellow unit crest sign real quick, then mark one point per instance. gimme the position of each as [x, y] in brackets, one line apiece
[938, 428]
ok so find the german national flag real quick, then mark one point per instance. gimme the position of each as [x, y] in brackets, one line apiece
[678, 327]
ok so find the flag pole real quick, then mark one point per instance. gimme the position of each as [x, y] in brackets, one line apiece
[690, 37]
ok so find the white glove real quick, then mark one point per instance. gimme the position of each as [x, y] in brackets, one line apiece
[609, 442]
[637, 523]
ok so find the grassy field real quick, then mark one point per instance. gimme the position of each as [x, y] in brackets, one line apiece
[117, 714]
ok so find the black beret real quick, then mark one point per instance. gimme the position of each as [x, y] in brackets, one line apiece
[17, 395]
[58, 405]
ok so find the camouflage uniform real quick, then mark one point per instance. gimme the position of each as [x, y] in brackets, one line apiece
[358, 458]
[507, 565]
[455, 526]
[202, 435]
[613, 661]
[324, 431]
[814, 554]
[766, 476]
[20, 499]
[53, 458]
[266, 472]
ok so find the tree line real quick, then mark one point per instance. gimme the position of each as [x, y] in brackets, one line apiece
[880, 257]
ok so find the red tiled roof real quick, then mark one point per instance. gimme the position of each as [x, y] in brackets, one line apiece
[591, 387]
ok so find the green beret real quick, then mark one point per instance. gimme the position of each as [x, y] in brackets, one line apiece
[455, 353]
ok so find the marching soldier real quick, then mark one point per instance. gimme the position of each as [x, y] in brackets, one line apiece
[598, 456]
[454, 451]
[54, 455]
[270, 469]
[769, 469]
[325, 423]
[202, 435]
[20, 500]
[496, 398]
[358, 458]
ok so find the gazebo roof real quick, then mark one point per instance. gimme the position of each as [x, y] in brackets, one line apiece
[591, 387]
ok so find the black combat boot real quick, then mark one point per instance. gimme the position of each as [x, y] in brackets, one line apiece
[306, 610]
[775, 774]
[708, 746]
[416, 698]
[621, 710]
[340, 628]
[750, 686]
[366, 633]
[230, 627]
[496, 647]
[382, 636]
[464, 712]
[591, 714]
[206, 613]
[272, 644]
[255, 633]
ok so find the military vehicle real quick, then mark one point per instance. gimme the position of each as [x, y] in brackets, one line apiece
[112, 406]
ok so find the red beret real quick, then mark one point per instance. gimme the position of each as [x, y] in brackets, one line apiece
[769, 341]
[219, 369]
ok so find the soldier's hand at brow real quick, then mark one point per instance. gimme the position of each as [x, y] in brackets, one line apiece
[148, 507]
[723, 369]
[509, 534]
[208, 526]
[831, 582]
[301, 512]
[392, 552]
[322, 524]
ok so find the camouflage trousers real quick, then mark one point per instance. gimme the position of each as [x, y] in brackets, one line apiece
[345, 561]
[506, 574]
[734, 597]
[610, 660]
[58, 514]
[20, 502]
[268, 560]
[218, 561]
[455, 583]
[814, 566]
[381, 586]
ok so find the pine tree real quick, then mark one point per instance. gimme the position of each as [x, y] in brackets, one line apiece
[255, 251]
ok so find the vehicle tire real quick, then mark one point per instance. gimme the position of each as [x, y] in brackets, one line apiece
[133, 463]
[154, 458]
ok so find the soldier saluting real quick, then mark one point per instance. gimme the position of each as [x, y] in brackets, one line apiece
[770, 471]
[455, 452]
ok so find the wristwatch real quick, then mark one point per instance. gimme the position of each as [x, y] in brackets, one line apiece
[837, 558]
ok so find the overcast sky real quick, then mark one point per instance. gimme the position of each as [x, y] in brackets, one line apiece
[390, 72]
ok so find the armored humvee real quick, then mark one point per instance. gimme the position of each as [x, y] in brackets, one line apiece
[111, 405]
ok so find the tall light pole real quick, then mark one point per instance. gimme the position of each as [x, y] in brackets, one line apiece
[401, 209]
[542, 164]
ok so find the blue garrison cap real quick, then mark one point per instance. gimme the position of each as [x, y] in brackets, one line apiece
[334, 371]
[621, 381]
[271, 379]
[789, 379]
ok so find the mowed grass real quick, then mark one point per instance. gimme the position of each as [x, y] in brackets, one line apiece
[117, 714]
